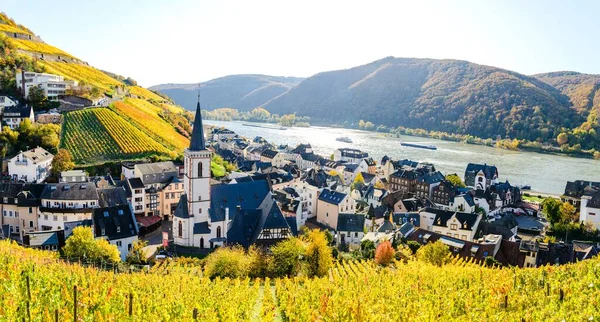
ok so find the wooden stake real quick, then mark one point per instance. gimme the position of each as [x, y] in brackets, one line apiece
[505, 301]
[28, 299]
[75, 303]
[130, 304]
[56, 315]
[561, 295]
[195, 314]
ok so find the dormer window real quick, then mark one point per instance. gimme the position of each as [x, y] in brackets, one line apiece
[118, 229]
[465, 225]
[103, 232]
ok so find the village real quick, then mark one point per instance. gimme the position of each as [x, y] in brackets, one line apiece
[276, 191]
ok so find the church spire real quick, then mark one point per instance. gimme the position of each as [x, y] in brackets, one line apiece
[197, 143]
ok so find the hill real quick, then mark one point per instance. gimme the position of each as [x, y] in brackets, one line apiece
[242, 92]
[138, 123]
[38, 284]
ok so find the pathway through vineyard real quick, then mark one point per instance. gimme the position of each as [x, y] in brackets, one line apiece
[264, 309]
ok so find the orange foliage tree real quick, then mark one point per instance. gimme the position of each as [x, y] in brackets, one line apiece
[384, 253]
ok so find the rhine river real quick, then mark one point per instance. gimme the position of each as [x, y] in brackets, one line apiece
[545, 173]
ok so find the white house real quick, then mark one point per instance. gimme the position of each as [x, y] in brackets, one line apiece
[14, 115]
[307, 160]
[31, 166]
[350, 229]
[459, 225]
[66, 202]
[351, 170]
[118, 225]
[53, 85]
[349, 155]
[590, 208]
[73, 176]
[6, 101]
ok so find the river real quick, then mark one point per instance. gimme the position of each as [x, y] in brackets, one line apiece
[546, 173]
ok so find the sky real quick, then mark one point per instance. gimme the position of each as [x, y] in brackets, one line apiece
[188, 41]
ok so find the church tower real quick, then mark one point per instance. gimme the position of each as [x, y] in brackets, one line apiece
[197, 172]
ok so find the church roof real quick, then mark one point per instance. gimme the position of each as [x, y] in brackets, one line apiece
[197, 143]
[245, 195]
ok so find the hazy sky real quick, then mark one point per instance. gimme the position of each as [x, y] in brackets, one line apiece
[186, 41]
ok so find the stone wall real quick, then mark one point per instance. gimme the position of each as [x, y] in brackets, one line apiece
[17, 35]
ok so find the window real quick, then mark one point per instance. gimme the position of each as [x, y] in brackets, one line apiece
[31, 224]
[138, 199]
[453, 226]
[119, 243]
[4, 213]
[30, 210]
[356, 234]
[5, 199]
[463, 237]
[592, 214]
[17, 229]
[16, 200]
[45, 217]
[103, 232]
[55, 218]
[16, 214]
[10, 213]
[180, 231]
[118, 229]
[219, 232]
[200, 169]
[129, 247]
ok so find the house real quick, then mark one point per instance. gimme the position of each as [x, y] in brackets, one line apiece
[225, 214]
[14, 115]
[290, 203]
[222, 133]
[443, 193]
[590, 207]
[45, 240]
[73, 176]
[350, 229]
[349, 155]
[480, 176]
[329, 165]
[31, 166]
[351, 170]
[371, 166]
[574, 190]
[66, 202]
[390, 166]
[117, 224]
[459, 225]
[19, 203]
[331, 204]
[307, 161]
[54, 86]
[370, 195]
[275, 158]
[426, 182]
[404, 180]
[462, 203]
[155, 188]
[5, 102]
[502, 195]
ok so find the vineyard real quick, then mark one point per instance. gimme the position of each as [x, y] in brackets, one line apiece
[9, 28]
[36, 286]
[38, 47]
[145, 93]
[82, 73]
[96, 135]
[145, 116]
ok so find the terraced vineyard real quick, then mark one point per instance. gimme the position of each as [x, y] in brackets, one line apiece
[82, 73]
[9, 28]
[39, 47]
[98, 134]
[145, 116]
[353, 291]
[145, 93]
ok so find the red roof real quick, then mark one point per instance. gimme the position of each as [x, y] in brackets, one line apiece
[147, 221]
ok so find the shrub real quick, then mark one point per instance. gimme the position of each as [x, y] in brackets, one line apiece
[286, 257]
[434, 253]
[318, 254]
[384, 253]
[367, 248]
[414, 246]
[229, 262]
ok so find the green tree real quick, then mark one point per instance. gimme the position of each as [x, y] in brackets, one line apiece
[137, 255]
[36, 97]
[63, 161]
[81, 244]
[490, 261]
[551, 208]
[286, 257]
[455, 180]
[413, 246]
[434, 253]
[318, 254]
[367, 248]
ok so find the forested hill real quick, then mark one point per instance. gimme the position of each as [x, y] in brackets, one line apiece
[242, 92]
[442, 95]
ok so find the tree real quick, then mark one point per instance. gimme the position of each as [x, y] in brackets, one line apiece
[379, 185]
[434, 253]
[413, 246]
[551, 208]
[384, 253]
[137, 255]
[229, 262]
[359, 181]
[562, 138]
[36, 97]
[367, 248]
[490, 261]
[81, 244]
[567, 213]
[318, 254]
[286, 257]
[455, 180]
[63, 161]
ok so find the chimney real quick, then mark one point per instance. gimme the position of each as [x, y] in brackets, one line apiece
[226, 220]
[23, 81]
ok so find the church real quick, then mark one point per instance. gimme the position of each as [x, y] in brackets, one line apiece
[225, 214]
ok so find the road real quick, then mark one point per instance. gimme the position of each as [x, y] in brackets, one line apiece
[154, 238]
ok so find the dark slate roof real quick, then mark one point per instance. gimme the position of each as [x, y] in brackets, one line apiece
[432, 177]
[70, 191]
[407, 217]
[350, 222]
[406, 174]
[182, 210]
[19, 111]
[269, 154]
[310, 157]
[576, 188]
[118, 222]
[70, 225]
[555, 254]
[157, 172]
[353, 153]
[489, 171]
[387, 226]
[109, 197]
[405, 163]
[136, 183]
[406, 229]
[247, 225]
[243, 179]
[27, 194]
[442, 217]
[370, 162]
[350, 167]
[595, 201]
[301, 148]
[367, 176]
[317, 178]
[44, 238]
[584, 250]
[201, 228]
[197, 142]
[332, 197]
[293, 225]
[246, 195]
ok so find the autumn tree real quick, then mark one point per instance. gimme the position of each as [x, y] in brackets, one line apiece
[568, 213]
[455, 180]
[359, 181]
[384, 253]
[63, 161]
[434, 253]
[551, 208]
[286, 257]
[318, 254]
[137, 255]
[562, 138]
[81, 244]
